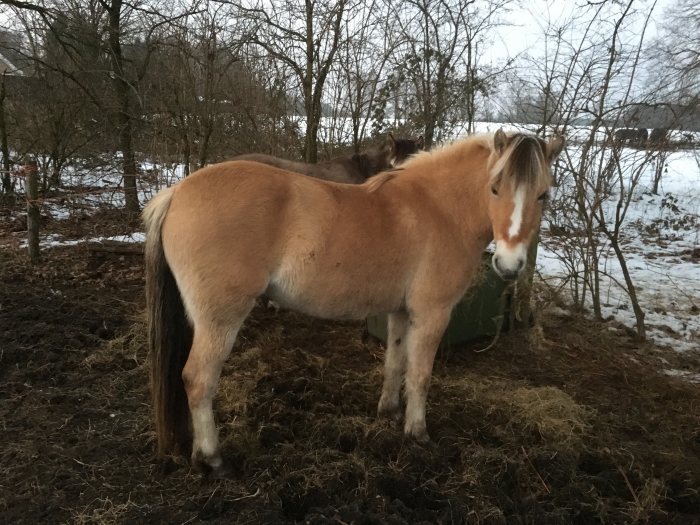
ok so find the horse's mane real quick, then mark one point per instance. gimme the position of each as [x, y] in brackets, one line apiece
[405, 147]
[363, 163]
[523, 162]
[378, 180]
[450, 153]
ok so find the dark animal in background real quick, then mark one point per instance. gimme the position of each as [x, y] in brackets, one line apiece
[349, 169]
[632, 136]
[658, 136]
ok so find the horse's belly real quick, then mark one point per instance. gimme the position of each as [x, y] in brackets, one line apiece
[334, 297]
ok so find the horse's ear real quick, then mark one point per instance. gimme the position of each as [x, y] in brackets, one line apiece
[500, 140]
[554, 148]
[420, 143]
[391, 141]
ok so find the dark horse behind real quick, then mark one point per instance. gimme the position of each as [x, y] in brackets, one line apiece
[349, 169]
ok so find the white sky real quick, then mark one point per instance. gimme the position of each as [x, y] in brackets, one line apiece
[528, 22]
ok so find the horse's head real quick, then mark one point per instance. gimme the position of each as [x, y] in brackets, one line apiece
[400, 149]
[390, 154]
[520, 177]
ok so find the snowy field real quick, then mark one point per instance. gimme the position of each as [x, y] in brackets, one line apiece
[660, 238]
[661, 245]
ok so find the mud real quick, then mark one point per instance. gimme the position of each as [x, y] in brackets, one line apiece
[569, 423]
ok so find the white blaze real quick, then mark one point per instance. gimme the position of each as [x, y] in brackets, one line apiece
[516, 219]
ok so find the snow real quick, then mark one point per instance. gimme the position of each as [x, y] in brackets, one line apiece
[664, 263]
[660, 237]
[54, 240]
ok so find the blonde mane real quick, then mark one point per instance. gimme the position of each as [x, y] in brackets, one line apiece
[373, 183]
[523, 162]
[450, 154]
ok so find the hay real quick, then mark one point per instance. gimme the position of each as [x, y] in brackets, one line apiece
[557, 418]
[109, 513]
[131, 345]
[240, 375]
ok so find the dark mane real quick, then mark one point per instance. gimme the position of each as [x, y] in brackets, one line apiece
[363, 163]
[404, 148]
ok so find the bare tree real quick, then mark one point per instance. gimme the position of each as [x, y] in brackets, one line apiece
[440, 59]
[104, 44]
[305, 38]
[594, 77]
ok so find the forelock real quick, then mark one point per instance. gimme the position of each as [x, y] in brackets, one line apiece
[522, 163]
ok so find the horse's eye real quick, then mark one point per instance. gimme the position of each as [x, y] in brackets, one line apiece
[542, 197]
[494, 190]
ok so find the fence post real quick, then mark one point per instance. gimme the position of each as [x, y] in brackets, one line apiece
[32, 189]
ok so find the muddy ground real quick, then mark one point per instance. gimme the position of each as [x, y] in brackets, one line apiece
[571, 422]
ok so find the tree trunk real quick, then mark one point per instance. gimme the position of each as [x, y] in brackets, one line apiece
[30, 173]
[638, 312]
[124, 121]
[523, 291]
[4, 148]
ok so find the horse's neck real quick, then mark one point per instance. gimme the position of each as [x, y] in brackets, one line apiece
[461, 194]
[363, 165]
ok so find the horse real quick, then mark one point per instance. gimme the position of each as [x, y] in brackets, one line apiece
[407, 242]
[350, 169]
[658, 136]
[632, 136]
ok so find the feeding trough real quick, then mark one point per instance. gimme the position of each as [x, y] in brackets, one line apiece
[483, 311]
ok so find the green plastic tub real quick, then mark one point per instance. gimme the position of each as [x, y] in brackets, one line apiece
[480, 313]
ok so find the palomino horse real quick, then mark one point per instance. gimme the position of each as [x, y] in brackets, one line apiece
[354, 169]
[407, 242]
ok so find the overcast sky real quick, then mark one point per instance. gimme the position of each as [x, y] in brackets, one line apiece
[528, 21]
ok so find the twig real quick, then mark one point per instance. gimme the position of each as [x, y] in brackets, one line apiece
[629, 486]
[248, 496]
[679, 289]
[127, 248]
[538, 474]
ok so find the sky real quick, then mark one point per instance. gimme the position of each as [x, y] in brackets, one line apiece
[527, 22]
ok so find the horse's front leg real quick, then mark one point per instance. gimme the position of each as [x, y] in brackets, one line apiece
[422, 338]
[394, 366]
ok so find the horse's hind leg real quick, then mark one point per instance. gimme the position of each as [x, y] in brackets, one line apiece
[394, 366]
[211, 346]
[422, 340]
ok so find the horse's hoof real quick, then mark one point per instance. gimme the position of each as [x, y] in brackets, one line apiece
[211, 468]
[391, 412]
[420, 435]
[222, 471]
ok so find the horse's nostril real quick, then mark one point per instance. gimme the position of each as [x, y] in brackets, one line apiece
[521, 264]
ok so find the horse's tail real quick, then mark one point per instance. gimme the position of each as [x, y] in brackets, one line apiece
[169, 335]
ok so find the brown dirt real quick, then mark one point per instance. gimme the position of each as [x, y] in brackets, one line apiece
[570, 423]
